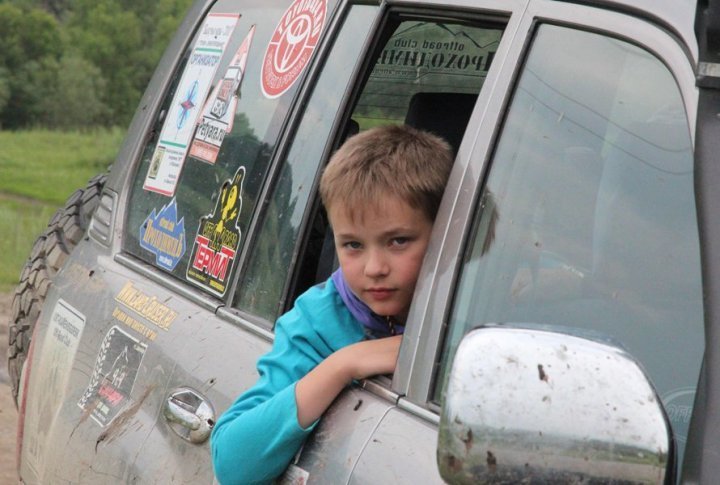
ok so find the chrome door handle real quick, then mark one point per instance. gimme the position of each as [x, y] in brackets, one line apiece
[189, 414]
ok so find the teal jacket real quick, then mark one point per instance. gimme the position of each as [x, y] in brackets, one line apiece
[258, 436]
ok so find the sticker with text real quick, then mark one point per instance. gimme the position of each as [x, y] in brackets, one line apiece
[113, 377]
[163, 235]
[50, 378]
[146, 306]
[219, 111]
[292, 45]
[217, 239]
[169, 156]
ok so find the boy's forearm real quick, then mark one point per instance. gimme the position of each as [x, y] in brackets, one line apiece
[316, 391]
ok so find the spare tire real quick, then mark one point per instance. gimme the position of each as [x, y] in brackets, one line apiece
[64, 231]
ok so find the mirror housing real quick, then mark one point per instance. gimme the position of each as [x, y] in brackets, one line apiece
[523, 403]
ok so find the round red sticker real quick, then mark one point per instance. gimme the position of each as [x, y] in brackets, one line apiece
[291, 45]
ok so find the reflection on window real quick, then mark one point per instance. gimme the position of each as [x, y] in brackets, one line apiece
[426, 57]
[587, 219]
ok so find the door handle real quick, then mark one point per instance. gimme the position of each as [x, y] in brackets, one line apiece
[189, 414]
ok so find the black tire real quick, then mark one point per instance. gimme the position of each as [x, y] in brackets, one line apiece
[64, 231]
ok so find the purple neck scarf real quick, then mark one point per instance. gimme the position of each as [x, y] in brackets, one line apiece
[376, 324]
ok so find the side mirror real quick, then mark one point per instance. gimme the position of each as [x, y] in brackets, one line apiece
[534, 404]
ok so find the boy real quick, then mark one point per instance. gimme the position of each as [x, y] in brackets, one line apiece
[381, 191]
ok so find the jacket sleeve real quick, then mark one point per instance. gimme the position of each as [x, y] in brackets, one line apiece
[257, 437]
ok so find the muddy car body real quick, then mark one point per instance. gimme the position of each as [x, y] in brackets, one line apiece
[567, 250]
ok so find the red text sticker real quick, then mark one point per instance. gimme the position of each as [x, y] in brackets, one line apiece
[291, 45]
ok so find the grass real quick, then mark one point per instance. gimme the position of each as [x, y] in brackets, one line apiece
[39, 169]
[49, 165]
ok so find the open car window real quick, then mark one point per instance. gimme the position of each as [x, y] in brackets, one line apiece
[426, 73]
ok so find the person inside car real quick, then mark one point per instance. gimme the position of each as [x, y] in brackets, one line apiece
[381, 190]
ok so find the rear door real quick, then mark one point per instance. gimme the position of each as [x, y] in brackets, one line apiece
[222, 194]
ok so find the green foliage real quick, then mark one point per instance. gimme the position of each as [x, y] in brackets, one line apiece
[4, 87]
[125, 41]
[79, 64]
[30, 40]
[81, 87]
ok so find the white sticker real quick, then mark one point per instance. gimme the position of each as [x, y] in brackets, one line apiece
[294, 475]
[219, 112]
[50, 377]
[291, 46]
[169, 156]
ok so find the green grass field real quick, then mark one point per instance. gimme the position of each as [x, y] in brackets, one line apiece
[39, 169]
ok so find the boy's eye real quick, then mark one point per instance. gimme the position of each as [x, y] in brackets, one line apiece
[399, 241]
[352, 245]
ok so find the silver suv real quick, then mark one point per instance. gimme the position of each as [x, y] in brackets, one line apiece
[563, 322]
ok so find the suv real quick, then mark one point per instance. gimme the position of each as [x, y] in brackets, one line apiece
[560, 329]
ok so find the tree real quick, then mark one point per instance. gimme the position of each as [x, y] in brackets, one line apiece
[29, 39]
[124, 39]
[62, 58]
[74, 100]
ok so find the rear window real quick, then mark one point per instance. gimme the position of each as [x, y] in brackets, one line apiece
[199, 178]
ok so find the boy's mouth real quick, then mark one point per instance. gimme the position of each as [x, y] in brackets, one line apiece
[380, 294]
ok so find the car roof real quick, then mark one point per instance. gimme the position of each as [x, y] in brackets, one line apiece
[677, 16]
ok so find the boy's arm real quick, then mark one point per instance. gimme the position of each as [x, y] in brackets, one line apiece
[316, 391]
[255, 439]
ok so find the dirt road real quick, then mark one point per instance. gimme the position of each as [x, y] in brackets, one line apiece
[8, 413]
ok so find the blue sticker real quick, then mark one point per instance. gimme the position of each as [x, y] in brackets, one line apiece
[163, 235]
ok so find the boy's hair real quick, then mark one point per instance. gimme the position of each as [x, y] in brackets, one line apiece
[388, 160]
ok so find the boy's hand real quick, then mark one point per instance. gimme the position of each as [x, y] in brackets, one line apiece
[371, 357]
[317, 390]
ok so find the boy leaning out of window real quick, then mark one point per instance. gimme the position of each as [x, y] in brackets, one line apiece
[381, 190]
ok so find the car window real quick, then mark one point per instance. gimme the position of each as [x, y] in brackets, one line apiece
[200, 174]
[426, 73]
[260, 291]
[587, 218]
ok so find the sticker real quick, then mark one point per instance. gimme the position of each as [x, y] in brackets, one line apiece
[113, 378]
[424, 50]
[294, 475]
[217, 239]
[51, 375]
[219, 111]
[679, 406]
[163, 235]
[146, 306]
[291, 46]
[169, 156]
[122, 317]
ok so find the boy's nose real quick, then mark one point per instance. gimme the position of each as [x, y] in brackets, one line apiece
[376, 264]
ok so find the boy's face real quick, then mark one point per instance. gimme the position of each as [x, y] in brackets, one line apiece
[380, 251]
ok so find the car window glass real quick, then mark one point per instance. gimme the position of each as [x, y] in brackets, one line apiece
[587, 219]
[427, 73]
[202, 168]
[261, 287]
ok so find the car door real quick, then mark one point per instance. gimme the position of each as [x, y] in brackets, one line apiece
[229, 175]
[215, 359]
[576, 211]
